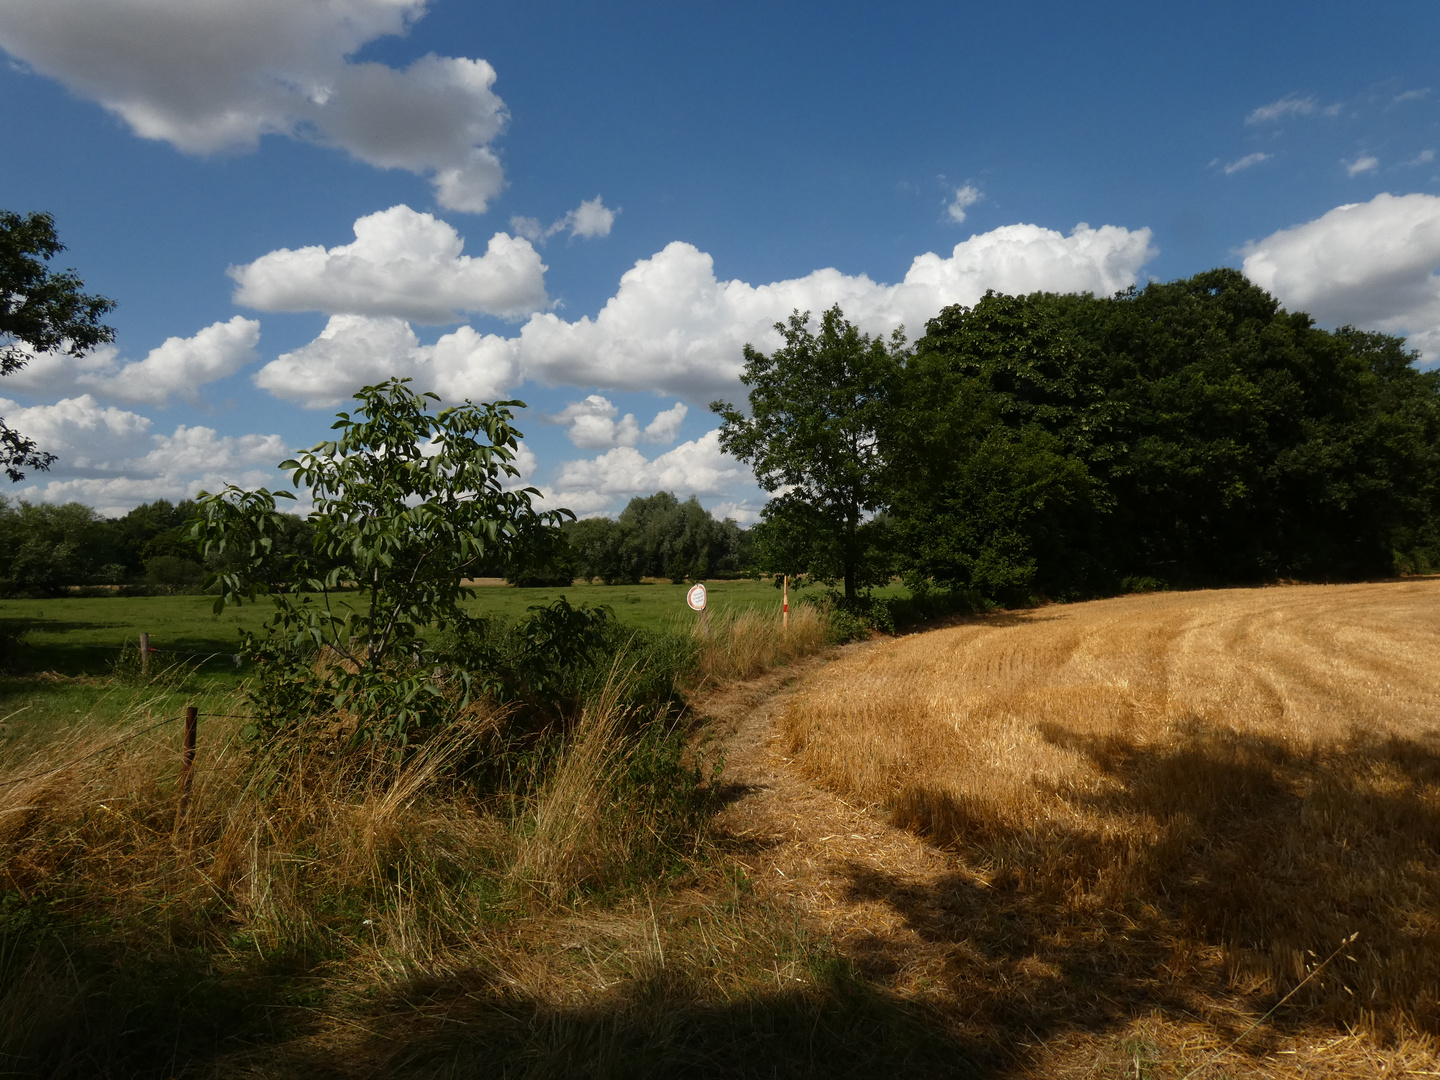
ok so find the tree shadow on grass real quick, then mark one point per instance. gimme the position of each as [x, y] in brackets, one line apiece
[1218, 868]
[653, 1026]
[74, 1008]
[76, 1003]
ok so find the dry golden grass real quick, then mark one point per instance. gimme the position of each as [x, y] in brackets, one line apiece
[742, 644]
[1176, 801]
[331, 865]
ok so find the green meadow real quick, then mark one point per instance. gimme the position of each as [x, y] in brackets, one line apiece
[74, 657]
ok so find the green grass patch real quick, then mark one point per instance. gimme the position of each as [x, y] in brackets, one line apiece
[659, 606]
[74, 660]
[85, 635]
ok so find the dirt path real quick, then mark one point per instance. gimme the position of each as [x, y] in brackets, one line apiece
[802, 844]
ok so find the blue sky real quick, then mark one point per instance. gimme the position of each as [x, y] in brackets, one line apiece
[642, 188]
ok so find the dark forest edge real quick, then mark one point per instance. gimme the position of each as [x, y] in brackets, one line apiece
[1188, 434]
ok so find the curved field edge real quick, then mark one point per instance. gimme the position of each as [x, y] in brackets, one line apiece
[1163, 811]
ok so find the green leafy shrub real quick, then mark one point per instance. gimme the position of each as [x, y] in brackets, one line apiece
[407, 505]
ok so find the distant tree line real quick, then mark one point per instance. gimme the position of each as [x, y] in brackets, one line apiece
[45, 550]
[1188, 433]
[655, 536]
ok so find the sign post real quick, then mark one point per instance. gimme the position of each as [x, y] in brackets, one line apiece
[785, 605]
[696, 599]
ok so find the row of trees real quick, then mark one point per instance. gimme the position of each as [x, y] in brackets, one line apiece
[45, 549]
[657, 536]
[1188, 433]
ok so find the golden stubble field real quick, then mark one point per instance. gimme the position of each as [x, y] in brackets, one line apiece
[1167, 808]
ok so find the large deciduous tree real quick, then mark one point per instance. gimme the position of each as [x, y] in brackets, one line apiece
[816, 405]
[40, 309]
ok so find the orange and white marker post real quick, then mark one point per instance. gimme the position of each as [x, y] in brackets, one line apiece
[785, 605]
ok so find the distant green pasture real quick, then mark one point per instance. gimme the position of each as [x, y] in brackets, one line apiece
[65, 670]
[84, 636]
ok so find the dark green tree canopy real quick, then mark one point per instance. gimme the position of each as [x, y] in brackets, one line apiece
[40, 309]
[816, 407]
[1190, 433]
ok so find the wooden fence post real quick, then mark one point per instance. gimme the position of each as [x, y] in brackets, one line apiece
[187, 763]
[144, 653]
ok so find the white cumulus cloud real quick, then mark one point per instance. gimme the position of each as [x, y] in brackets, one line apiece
[590, 219]
[1372, 265]
[965, 197]
[605, 482]
[593, 424]
[179, 366]
[674, 327]
[210, 75]
[402, 263]
[111, 459]
[666, 424]
[359, 350]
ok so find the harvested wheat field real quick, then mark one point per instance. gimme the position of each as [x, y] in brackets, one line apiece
[1147, 824]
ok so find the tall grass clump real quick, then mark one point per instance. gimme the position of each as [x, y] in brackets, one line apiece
[742, 644]
[617, 785]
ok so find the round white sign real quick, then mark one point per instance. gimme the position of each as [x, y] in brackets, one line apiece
[696, 597]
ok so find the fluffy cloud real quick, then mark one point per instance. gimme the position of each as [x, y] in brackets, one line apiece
[965, 197]
[356, 350]
[111, 459]
[591, 219]
[1371, 264]
[206, 76]
[666, 424]
[598, 484]
[593, 425]
[674, 327]
[180, 366]
[1245, 163]
[1363, 164]
[402, 263]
